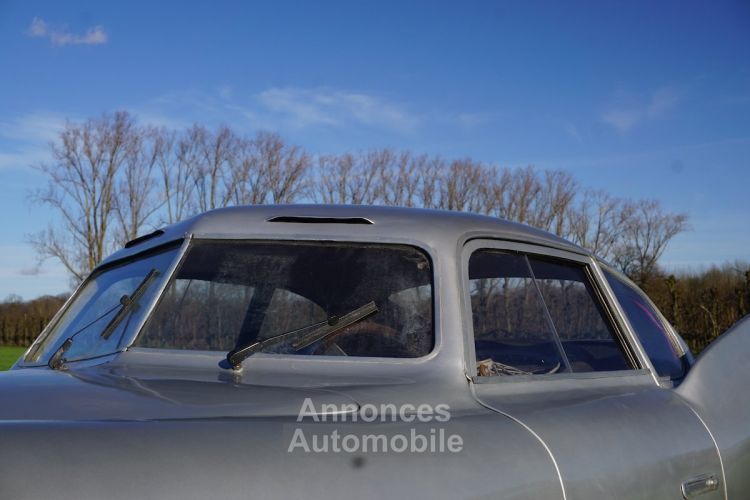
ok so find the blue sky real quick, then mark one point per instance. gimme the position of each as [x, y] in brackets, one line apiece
[642, 99]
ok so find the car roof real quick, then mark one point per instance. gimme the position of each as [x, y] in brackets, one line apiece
[366, 223]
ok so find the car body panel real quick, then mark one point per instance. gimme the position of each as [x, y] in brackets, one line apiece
[159, 423]
[143, 427]
[249, 459]
[717, 388]
[611, 436]
[591, 421]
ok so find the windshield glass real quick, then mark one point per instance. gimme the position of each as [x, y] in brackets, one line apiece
[109, 304]
[349, 299]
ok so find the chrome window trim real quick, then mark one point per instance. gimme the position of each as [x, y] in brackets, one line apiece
[285, 238]
[61, 312]
[50, 326]
[124, 344]
[672, 335]
[633, 336]
[608, 303]
[565, 376]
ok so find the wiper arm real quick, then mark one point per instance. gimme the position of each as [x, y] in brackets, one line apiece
[303, 337]
[128, 302]
[56, 361]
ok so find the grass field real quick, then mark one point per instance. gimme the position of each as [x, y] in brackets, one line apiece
[9, 355]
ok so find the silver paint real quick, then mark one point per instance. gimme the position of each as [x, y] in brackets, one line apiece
[152, 423]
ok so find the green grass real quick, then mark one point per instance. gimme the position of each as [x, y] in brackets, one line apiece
[9, 355]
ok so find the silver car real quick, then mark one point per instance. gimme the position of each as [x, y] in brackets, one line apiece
[362, 352]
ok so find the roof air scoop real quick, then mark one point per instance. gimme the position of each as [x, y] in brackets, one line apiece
[312, 219]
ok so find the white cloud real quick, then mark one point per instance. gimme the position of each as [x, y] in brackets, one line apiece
[308, 107]
[283, 109]
[624, 117]
[60, 36]
[37, 126]
[24, 139]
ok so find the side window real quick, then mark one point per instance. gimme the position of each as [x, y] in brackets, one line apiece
[646, 322]
[585, 333]
[534, 316]
[512, 333]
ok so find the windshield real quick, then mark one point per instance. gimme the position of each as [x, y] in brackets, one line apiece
[110, 304]
[301, 298]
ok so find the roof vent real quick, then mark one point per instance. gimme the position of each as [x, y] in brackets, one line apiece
[310, 219]
[141, 239]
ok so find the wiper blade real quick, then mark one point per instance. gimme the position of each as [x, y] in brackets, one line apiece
[128, 302]
[57, 361]
[304, 337]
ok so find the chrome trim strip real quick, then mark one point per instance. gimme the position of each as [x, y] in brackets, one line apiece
[52, 323]
[716, 445]
[618, 374]
[622, 318]
[672, 336]
[530, 430]
[124, 344]
[609, 303]
[438, 335]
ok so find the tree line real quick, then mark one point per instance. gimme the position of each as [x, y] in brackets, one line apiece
[21, 321]
[110, 179]
[702, 304]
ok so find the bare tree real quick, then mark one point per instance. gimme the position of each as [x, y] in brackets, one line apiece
[214, 185]
[559, 190]
[110, 179]
[646, 235]
[465, 186]
[285, 167]
[82, 190]
[400, 182]
[349, 178]
[597, 222]
[135, 200]
[525, 188]
[542, 200]
[267, 169]
[429, 186]
[177, 160]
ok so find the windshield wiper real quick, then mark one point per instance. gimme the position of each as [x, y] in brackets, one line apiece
[303, 337]
[128, 302]
[56, 361]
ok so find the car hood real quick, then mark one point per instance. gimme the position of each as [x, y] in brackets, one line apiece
[101, 394]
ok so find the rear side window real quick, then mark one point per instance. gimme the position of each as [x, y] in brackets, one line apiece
[534, 316]
[646, 322]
